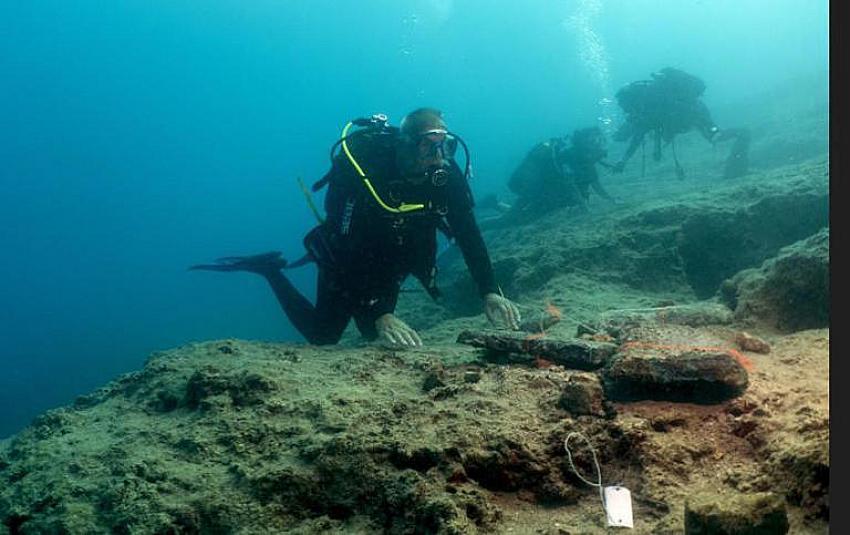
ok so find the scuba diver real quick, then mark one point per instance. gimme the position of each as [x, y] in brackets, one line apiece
[558, 173]
[666, 106]
[579, 163]
[738, 162]
[389, 191]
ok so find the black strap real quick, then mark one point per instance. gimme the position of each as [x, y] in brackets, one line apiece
[322, 182]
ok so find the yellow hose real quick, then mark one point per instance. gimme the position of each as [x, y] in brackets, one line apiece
[404, 207]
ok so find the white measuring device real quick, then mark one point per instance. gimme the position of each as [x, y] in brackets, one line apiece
[616, 500]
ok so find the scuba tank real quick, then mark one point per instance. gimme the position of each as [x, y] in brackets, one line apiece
[376, 126]
[375, 131]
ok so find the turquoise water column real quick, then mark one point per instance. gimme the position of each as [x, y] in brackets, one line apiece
[594, 57]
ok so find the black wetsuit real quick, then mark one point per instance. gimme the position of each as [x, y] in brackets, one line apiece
[666, 107]
[364, 252]
[580, 168]
[538, 181]
[666, 124]
[553, 175]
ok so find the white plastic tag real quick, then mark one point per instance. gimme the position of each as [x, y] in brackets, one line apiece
[618, 507]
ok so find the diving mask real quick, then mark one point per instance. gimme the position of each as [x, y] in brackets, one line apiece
[434, 135]
[436, 142]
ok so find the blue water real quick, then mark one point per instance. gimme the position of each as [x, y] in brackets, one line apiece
[141, 136]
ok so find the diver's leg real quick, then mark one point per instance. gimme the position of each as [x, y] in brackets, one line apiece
[321, 324]
[680, 173]
[656, 151]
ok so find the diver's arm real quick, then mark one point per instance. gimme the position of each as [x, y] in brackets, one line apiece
[708, 131]
[499, 310]
[468, 237]
[597, 186]
[732, 133]
[464, 228]
[636, 141]
[575, 193]
[375, 292]
[704, 123]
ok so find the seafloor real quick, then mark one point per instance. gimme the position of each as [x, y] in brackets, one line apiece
[233, 436]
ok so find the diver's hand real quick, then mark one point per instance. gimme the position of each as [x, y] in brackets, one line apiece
[395, 332]
[722, 135]
[618, 167]
[714, 134]
[501, 310]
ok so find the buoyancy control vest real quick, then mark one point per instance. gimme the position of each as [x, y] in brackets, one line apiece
[376, 216]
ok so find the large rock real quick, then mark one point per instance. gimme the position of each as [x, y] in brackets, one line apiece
[571, 353]
[755, 514]
[617, 322]
[789, 292]
[802, 472]
[716, 245]
[691, 376]
[582, 394]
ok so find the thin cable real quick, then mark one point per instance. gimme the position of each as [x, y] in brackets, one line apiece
[595, 462]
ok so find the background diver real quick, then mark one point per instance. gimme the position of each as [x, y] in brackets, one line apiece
[668, 105]
[559, 173]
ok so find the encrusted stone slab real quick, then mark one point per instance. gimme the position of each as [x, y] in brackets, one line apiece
[615, 322]
[570, 353]
[691, 376]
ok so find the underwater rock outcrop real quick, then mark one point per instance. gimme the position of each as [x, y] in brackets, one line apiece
[761, 513]
[253, 438]
[678, 246]
[789, 292]
[438, 440]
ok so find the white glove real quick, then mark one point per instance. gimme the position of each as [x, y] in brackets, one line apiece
[394, 332]
[501, 311]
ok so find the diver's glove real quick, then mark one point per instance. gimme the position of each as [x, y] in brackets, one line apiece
[501, 310]
[394, 332]
[714, 134]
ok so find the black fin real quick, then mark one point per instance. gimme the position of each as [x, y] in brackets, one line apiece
[261, 263]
